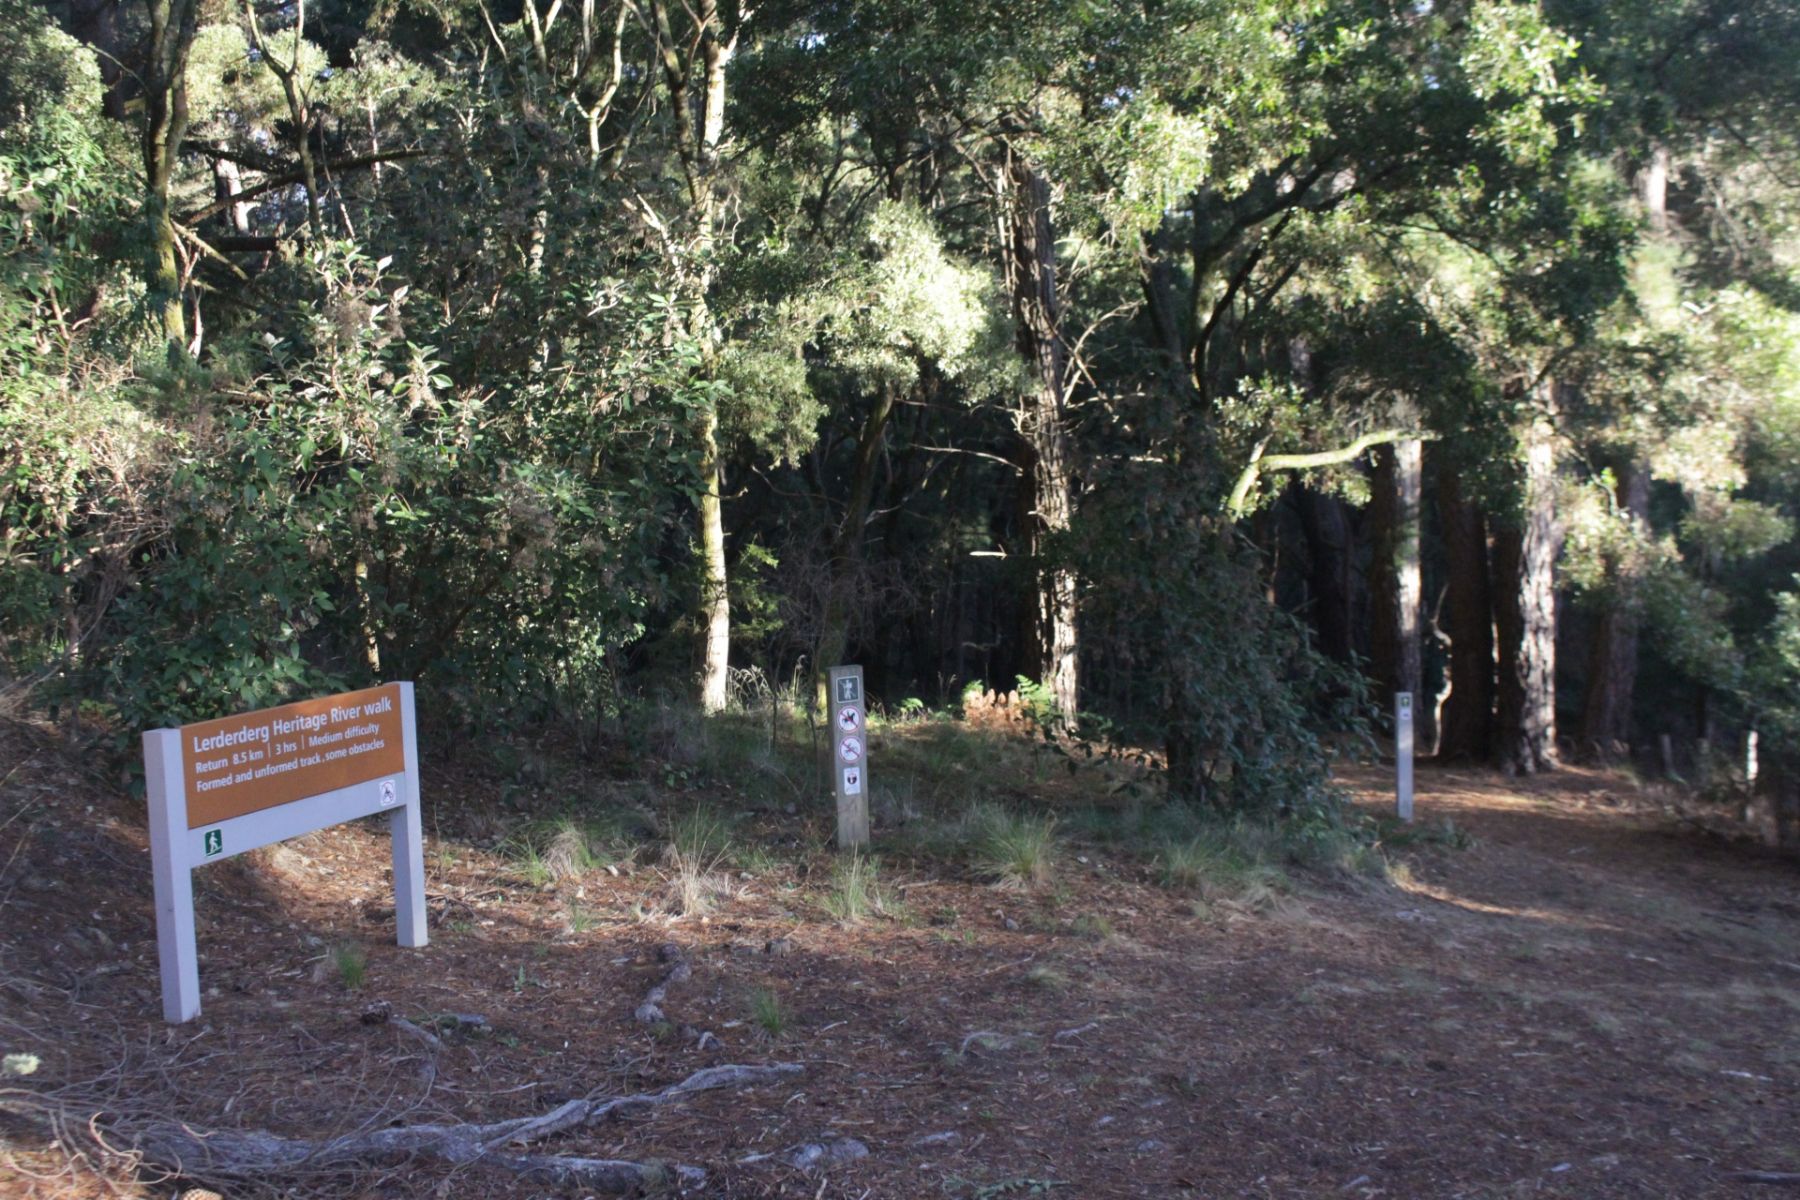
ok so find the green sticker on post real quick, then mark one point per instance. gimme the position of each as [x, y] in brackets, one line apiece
[215, 842]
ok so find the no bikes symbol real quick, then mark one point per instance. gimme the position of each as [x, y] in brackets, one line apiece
[850, 749]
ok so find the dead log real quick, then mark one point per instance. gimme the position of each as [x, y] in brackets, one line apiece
[232, 1154]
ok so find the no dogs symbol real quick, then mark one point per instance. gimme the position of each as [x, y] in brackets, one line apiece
[849, 719]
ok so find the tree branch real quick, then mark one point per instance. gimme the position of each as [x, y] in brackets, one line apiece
[287, 178]
[1260, 462]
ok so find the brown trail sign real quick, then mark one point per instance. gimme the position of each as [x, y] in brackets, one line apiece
[219, 788]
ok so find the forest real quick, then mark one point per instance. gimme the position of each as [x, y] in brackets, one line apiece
[1210, 371]
[1146, 395]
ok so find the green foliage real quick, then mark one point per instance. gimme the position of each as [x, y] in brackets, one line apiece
[1039, 702]
[1249, 704]
[446, 419]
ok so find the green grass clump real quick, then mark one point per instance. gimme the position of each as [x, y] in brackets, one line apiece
[767, 1012]
[858, 893]
[350, 963]
[528, 862]
[1229, 862]
[1013, 849]
[1094, 927]
[699, 844]
[559, 851]
[568, 853]
[753, 858]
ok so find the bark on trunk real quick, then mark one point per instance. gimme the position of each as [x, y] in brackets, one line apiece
[227, 183]
[1525, 610]
[1466, 722]
[172, 25]
[715, 598]
[1328, 544]
[1613, 657]
[697, 59]
[1394, 589]
[1049, 502]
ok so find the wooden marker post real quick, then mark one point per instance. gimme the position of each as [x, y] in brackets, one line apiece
[219, 788]
[1403, 755]
[850, 756]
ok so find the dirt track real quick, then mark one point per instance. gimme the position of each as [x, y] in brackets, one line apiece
[1583, 1003]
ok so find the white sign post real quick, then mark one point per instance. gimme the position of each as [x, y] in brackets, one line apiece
[1403, 755]
[850, 756]
[219, 788]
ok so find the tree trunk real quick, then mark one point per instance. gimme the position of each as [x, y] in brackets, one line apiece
[704, 52]
[299, 112]
[1466, 724]
[1653, 187]
[1525, 610]
[1050, 497]
[172, 24]
[1394, 589]
[715, 598]
[1327, 531]
[1613, 656]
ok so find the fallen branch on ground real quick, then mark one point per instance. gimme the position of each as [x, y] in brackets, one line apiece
[224, 1154]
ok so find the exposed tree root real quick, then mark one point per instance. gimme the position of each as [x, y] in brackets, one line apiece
[224, 1154]
[650, 1011]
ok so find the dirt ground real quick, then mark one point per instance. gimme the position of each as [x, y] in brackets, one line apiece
[1586, 1000]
